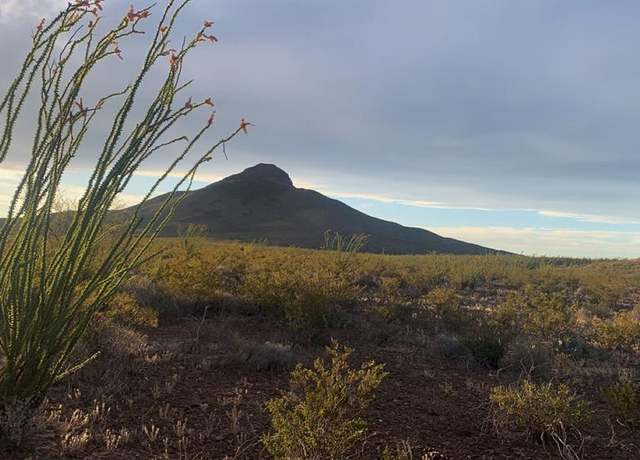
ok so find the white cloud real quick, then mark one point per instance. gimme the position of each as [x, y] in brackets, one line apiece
[199, 177]
[73, 193]
[390, 199]
[9, 179]
[14, 9]
[551, 242]
[593, 218]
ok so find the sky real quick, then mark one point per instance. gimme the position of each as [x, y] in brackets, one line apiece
[508, 124]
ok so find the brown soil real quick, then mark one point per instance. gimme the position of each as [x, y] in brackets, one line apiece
[433, 404]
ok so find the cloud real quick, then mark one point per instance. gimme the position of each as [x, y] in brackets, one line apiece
[594, 218]
[550, 242]
[18, 9]
[177, 174]
[72, 193]
[9, 180]
[487, 105]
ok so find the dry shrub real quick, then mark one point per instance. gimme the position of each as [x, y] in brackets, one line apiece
[266, 356]
[531, 359]
[543, 412]
[450, 347]
[403, 451]
[20, 422]
[119, 353]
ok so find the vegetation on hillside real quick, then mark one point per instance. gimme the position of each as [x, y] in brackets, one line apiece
[556, 339]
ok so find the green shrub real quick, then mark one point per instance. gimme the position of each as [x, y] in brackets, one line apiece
[305, 299]
[125, 308]
[445, 305]
[321, 417]
[539, 315]
[541, 411]
[186, 274]
[394, 311]
[624, 400]
[486, 348]
[622, 332]
[486, 342]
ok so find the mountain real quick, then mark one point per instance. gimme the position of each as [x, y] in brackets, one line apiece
[262, 204]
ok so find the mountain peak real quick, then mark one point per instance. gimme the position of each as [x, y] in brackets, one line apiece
[262, 204]
[264, 172]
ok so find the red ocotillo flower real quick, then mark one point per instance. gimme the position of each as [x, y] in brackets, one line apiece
[208, 102]
[244, 124]
[133, 15]
[118, 52]
[40, 25]
[175, 60]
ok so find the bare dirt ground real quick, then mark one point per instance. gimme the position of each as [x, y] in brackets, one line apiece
[203, 399]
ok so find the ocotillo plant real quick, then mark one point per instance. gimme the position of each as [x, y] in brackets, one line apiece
[47, 297]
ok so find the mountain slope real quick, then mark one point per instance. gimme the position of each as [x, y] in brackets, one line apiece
[261, 203]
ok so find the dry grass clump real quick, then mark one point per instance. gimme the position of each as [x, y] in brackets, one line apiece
[532, 359]
[321, 416]
[18, 422]
[120, 355]
[403, 451]
[450, 347]
[261, 356]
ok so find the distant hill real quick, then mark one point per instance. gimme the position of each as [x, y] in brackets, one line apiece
[262, 204]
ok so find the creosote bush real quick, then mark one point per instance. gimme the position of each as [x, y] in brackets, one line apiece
[544, 412]
[321, 417]
[125, 308]
[54, 278]
[622, 332]
[624, 399]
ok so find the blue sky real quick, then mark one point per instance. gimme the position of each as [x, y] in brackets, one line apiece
[510, 124]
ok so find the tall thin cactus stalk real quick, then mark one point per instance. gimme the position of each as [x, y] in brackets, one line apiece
[47, 295]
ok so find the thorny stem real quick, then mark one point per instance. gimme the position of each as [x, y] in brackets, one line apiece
[50, 292]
